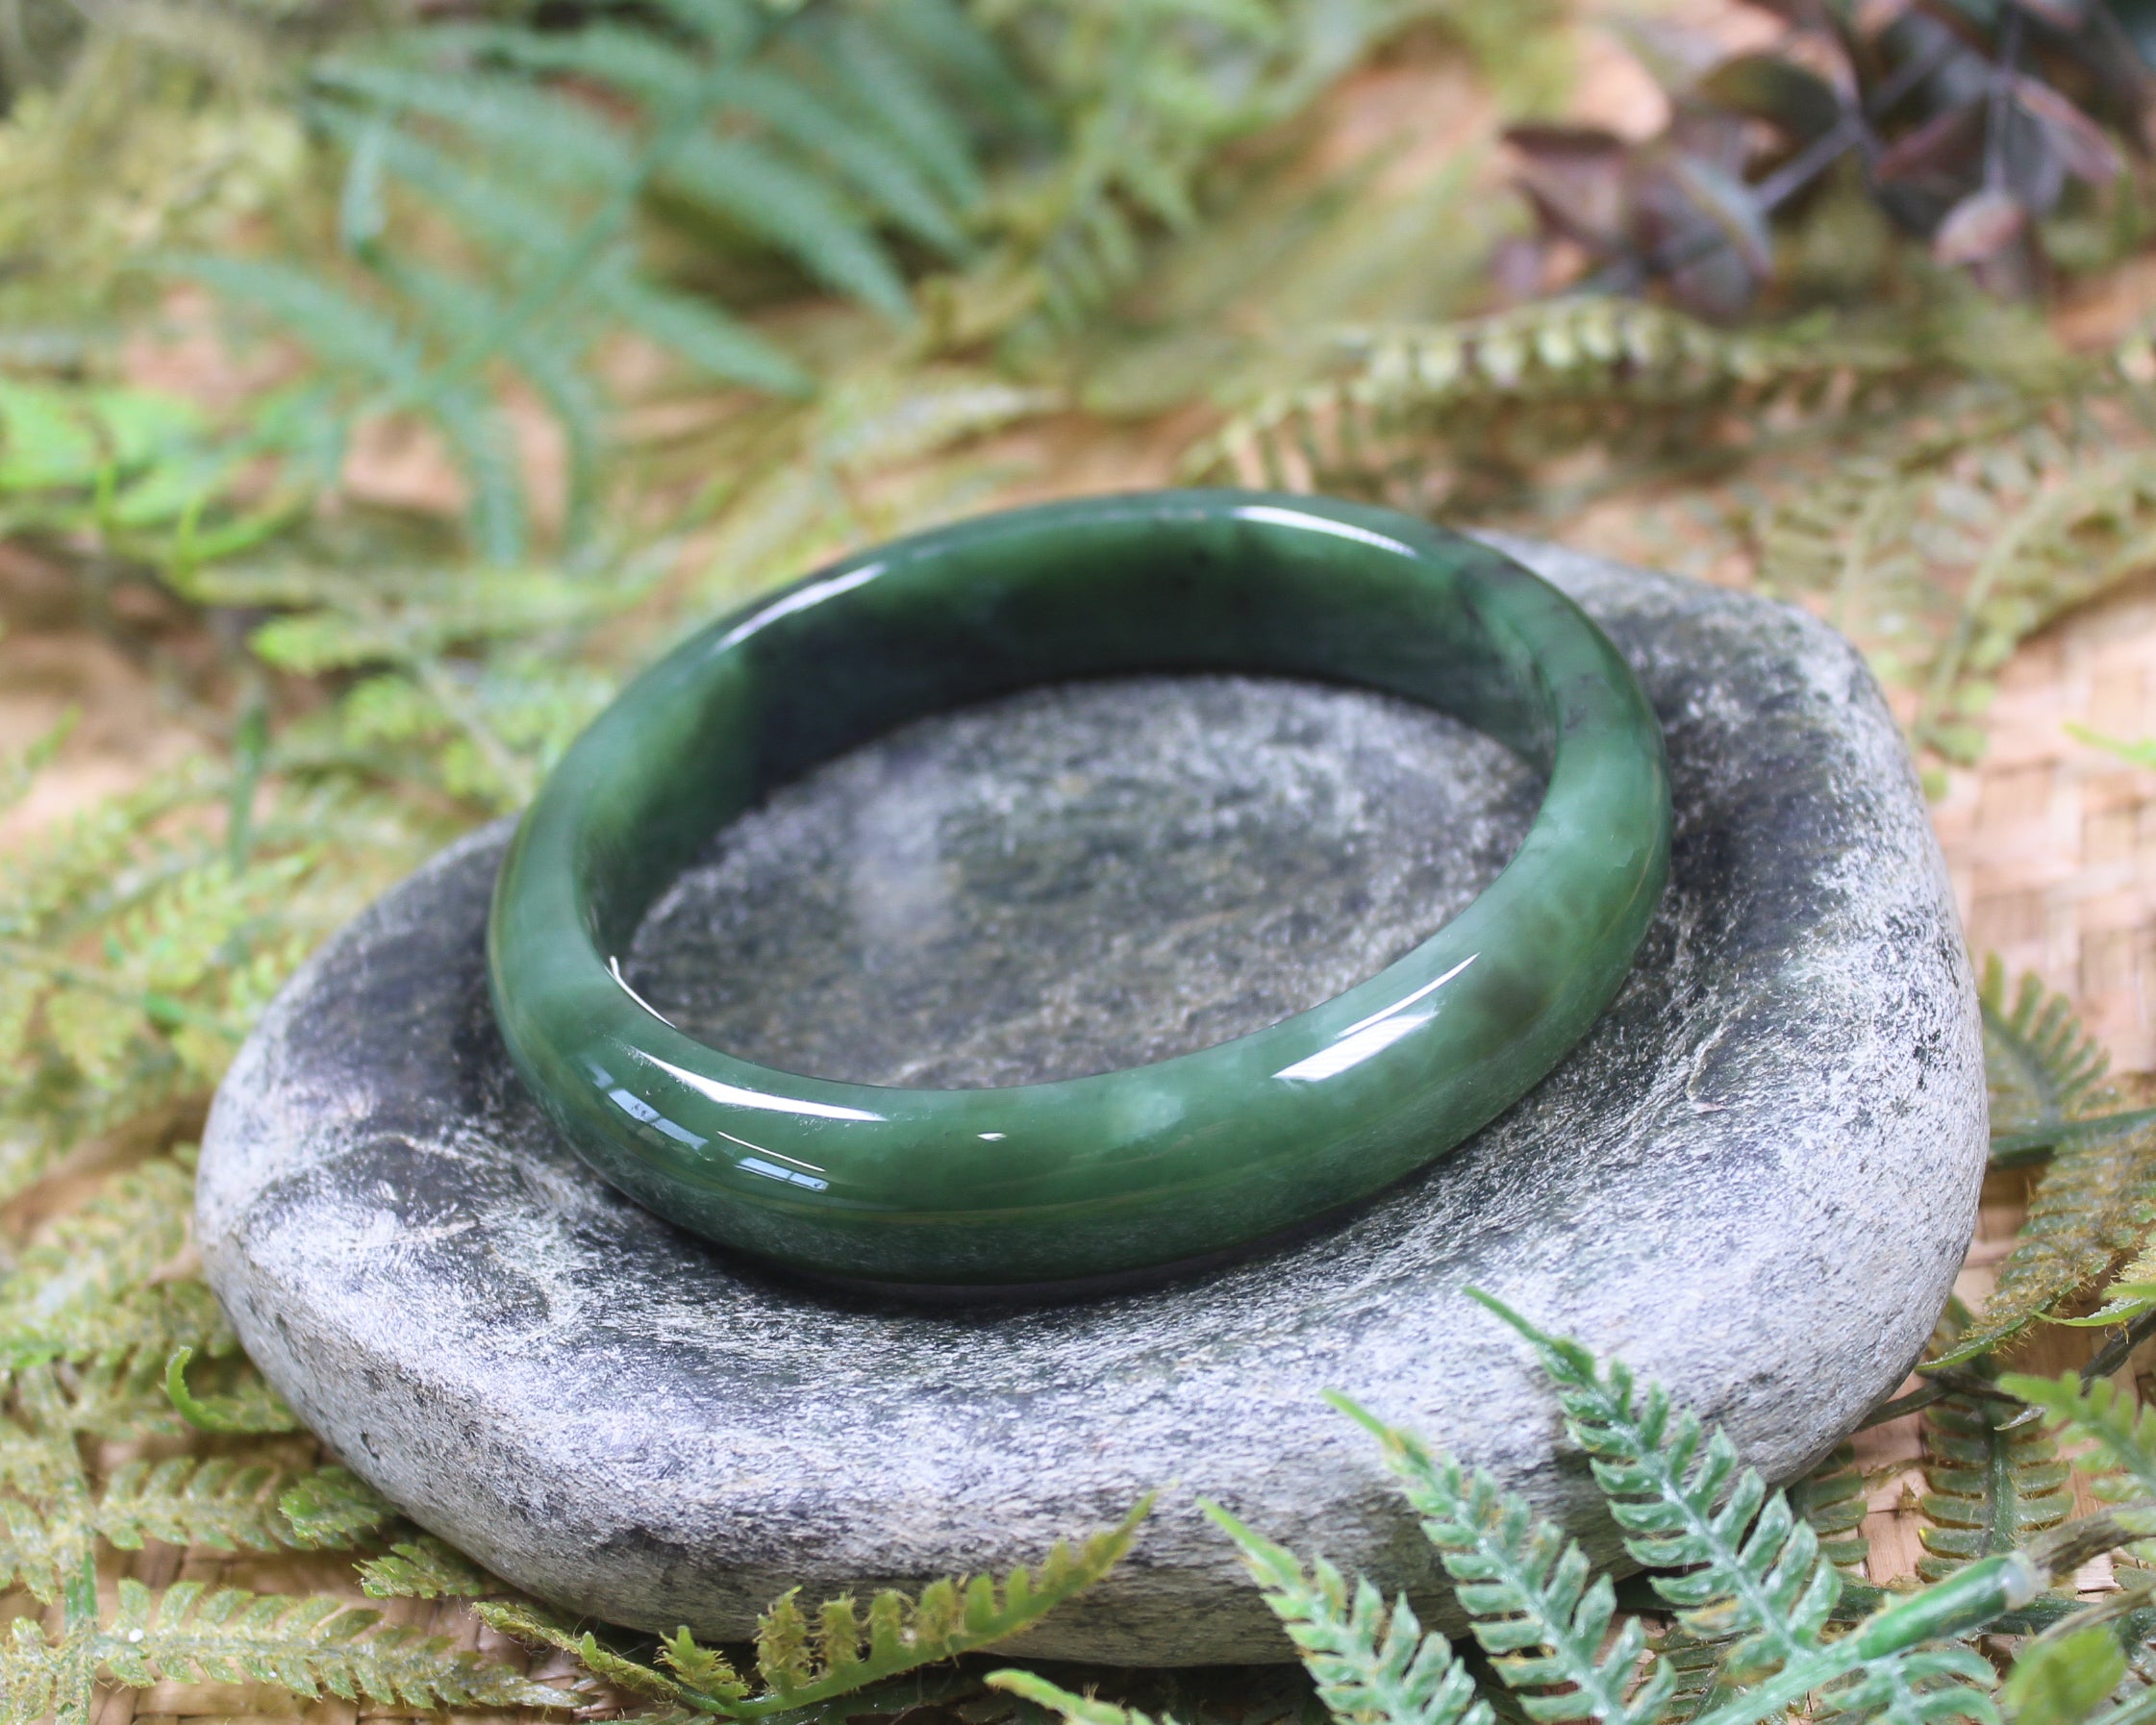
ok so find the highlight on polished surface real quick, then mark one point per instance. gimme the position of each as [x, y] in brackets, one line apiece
[1083, 1181]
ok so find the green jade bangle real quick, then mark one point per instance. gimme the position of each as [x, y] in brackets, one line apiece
[1087, 1182]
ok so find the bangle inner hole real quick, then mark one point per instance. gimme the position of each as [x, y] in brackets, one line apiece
[1080, 877]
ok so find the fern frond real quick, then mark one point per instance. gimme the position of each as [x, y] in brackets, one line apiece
[307, 1647]
[1372, 1665]
[1942, 555]
[254, 1409]
[121, 1399]
[186, 1500]
[89, 1285]
[329, 1508]
[1750, 1569]
[1993, 1483]
[1922, 1687]
[948, 1618]
[1830, 1500]
[425, 1568]
[1532, 1599]
[806, 1662]
[2062, 1679]
[2122, 1432]
[1079, 1710]
[789, 209]
[2095, 1200]
[337, 327]
[1549, 375]
[705, 1671]
[43, 1546]
[2043, 1067]
[563, 142]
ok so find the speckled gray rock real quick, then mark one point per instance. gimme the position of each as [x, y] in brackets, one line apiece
[1079, 878]
[1754, 1180]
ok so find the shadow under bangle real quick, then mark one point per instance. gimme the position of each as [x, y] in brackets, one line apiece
[1084, 1181]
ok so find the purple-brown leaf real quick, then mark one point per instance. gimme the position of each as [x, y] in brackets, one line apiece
[1983, 224]
[1766, 87]
[1575, 176]
[1728, 203]
[2083, 146]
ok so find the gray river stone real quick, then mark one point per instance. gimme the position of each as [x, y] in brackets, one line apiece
[1753, 1179]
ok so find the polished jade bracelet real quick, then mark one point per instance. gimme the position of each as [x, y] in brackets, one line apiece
[1086, 1181]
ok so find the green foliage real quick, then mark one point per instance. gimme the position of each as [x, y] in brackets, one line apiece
[1830, 1500]
[1373, 1665]
[1729, 1557]
[1750, 1569]
[2094, 1202]
[93, 1294]
[307, 1646]
[2043, 1069]
[425, 1568]
[1081, 1710]
[134, 473]
[91, 1285]
[1536, 1606]
[257, 1408]
[2124, 1436]
[1942, 553]
[1993, 1479]
[466, 681]
[2062, 1681]
[129, 129]
[139, 940]
[803, 1661]
[1424, 413]
[331, 1507]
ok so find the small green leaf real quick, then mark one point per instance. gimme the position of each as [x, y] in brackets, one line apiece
[2061, 1682]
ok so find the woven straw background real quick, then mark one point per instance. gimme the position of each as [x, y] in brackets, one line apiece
[2052, 848]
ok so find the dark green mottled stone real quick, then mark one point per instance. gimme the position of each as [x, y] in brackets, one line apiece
[1122, 1171]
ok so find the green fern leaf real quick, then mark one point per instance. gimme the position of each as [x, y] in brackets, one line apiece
[660, 76]
[790, 209]
[1527, 1591]
[873, 73]
[2122, 1432]
[330, 1509]
[1993, 1483]
[1830, 1500]
[1080, 1710]
[709, 340]
[306, 1646]
[254, 1406]
[783, 1658]
[91, 1285]
[2062, 1679]
[885, 179]
[1750, 1569]
[343, 331]
[948, 1618]
[1555, 374]
[425, 1568]
[708, 1673]
[2094, 1201]
[1372, 1666]
[2045, 1069]
[559, 142]
[42, 1546]
[552, 366]
[184, 1500]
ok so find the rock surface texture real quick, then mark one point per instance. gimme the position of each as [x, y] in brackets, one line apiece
[1753, 1179]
